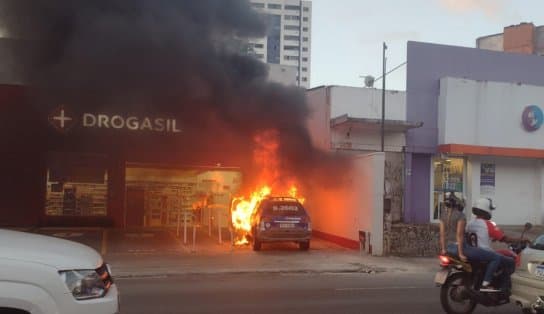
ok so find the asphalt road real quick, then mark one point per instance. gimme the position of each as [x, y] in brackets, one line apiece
[287, 293]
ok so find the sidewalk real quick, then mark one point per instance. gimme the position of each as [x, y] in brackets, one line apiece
[158, 252]
[272, 259]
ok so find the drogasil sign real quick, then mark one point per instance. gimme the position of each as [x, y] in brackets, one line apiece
[63, 121]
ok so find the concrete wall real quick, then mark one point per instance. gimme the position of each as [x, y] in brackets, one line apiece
[370, 140]
[360, 102]
[394, 186]
[318, 123]
[492, 42]
[539, 40]
[332, 101]
[487, 113]
[412, 240]
[518, 189]
[356, 204]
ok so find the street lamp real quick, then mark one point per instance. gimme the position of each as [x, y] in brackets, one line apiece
[369, 82]
[383, 95]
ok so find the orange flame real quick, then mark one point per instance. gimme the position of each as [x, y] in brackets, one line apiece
[265, 156]
[244, 208]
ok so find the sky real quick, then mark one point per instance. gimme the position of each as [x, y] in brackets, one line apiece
[347, 35]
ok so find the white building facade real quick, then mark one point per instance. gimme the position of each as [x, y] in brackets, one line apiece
[288, 38]
[348, 120]
[492, 131]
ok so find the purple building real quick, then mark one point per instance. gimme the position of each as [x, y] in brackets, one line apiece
[438, 76]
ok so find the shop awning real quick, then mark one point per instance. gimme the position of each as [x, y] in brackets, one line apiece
[345, 121]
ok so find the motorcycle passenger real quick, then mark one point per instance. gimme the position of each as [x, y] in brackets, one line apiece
[486, 231]
[452, 227]
[452, 239]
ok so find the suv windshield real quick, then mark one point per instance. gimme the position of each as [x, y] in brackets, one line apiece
[538, 244]
[283, 208]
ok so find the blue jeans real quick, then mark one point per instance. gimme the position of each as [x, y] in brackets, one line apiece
[476, 254]
[509, 266]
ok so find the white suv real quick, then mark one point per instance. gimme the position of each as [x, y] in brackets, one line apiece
[46, 275]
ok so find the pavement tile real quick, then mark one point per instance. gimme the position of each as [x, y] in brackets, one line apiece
[89, 236]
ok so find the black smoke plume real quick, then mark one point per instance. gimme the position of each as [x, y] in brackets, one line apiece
[180, 56]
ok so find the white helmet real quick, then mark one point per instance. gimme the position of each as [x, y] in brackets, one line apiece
[484, 204]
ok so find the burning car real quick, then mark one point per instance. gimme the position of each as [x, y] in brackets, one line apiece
[280, 219]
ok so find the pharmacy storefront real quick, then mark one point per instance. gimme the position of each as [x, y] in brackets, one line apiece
[65, 166]
[496, 151]
[482, 134]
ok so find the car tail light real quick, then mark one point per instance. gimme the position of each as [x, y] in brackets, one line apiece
[262, 226]
[309, 226]
[444, 260]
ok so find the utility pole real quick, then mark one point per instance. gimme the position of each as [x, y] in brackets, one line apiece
[383, 97]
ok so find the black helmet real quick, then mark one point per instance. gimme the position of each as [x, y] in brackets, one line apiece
[453, 201]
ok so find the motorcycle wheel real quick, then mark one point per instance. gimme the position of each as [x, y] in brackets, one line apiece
[453, 296]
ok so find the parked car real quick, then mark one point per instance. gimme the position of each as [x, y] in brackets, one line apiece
[528, 279]
[280, 219]
[43, 275]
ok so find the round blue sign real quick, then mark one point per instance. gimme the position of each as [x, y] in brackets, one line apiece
[532, 118]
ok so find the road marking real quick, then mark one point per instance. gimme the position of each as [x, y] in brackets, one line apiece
[104, 242]
[376, 288]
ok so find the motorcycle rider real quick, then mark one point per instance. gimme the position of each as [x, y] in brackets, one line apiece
[486, 231]
[452, 239]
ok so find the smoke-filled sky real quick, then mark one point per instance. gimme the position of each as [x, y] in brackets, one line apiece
[347, 35]
[180, 57]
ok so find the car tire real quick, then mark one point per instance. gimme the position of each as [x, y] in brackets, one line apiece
[256, 244]
[304, 245]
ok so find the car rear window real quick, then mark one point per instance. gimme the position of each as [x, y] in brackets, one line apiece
[283, 208]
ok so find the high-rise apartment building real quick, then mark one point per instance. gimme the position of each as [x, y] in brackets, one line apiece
[288, 38]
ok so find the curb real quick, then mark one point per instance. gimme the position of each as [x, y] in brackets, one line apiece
[171, 274]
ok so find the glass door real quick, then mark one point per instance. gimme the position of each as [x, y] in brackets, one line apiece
[448, 176]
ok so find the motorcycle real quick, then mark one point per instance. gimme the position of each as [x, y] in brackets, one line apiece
[460, 282]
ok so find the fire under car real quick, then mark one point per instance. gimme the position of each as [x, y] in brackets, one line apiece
[280, 219]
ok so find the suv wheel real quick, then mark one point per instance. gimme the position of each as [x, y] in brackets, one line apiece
[256, 244]
[304, 245]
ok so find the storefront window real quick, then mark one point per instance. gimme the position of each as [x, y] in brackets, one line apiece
[448, 177]
[77, 185]
[155, 196]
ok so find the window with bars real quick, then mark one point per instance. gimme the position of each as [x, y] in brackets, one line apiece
[290, 37]
[292, 7]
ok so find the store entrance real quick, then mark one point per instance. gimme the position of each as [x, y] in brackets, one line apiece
[448, 177]
[167, 197]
